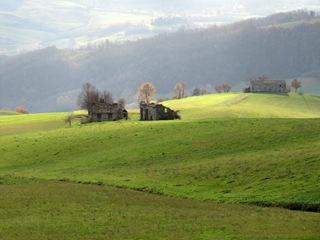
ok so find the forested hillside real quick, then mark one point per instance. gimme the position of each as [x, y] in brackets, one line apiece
[282, 46]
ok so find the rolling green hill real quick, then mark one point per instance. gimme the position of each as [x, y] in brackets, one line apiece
[240, 105]
[5, 112]
[228, 148]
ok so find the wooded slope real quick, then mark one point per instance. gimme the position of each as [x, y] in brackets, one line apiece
[283, 46]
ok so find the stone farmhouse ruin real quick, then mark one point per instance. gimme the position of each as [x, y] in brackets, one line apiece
[156, 112]
[266, 86]
[100, 112]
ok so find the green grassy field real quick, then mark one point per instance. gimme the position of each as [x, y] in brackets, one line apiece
[11, 122]
[240, 105]
[210, 175]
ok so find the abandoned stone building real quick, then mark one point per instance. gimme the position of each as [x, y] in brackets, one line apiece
[266, 86]
[156, 112]
[101, 112]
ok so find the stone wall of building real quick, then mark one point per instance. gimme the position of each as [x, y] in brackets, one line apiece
[267, 86]
[156, 112]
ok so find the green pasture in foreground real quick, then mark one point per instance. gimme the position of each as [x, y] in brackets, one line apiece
[273, 161]
[208, 159]
[63, 210]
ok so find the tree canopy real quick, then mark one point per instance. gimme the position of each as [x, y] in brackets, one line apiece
[146, 91]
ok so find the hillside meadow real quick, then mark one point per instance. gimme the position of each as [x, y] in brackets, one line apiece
[217, 173]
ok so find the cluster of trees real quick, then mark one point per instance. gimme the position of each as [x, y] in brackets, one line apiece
[21, 109]
[224, 87]
[197, 91]
[90, 95]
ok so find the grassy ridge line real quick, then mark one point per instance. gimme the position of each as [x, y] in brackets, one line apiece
[251, 106]
[31, 118]
[233, 160]
[5, 113]
[11, 123]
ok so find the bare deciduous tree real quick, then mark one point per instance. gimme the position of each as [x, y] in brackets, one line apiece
[88, 96]
[296, 84]
[218, 88]
[199, 91]
[68, 119]
[226, 87]
[122, 103]
[146, 91]
[180, 88]
[21, 109]
[106, 97]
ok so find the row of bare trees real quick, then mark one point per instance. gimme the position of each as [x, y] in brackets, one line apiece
[147, 90]
[224, 87]
[90, 95]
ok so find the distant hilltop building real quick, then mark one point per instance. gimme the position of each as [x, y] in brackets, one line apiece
[266, 86]
[156, 112]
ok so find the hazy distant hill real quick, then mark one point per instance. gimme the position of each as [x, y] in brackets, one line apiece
[282, 46]
[33, 24]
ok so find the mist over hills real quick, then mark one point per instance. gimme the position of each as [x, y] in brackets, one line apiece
[282, 46]
[33, 24]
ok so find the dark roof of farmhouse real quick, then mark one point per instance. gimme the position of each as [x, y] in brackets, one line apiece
[105, 108]
[154, 105]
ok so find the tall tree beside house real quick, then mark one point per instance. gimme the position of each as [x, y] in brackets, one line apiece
[146, 91]
[296, 84]
[106, 97]
[122, 103]
[88, 96]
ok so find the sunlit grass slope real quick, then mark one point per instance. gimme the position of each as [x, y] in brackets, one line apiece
[63, 210]
[205, 156]
[265, 161]
[13, 123]
[240, 105]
